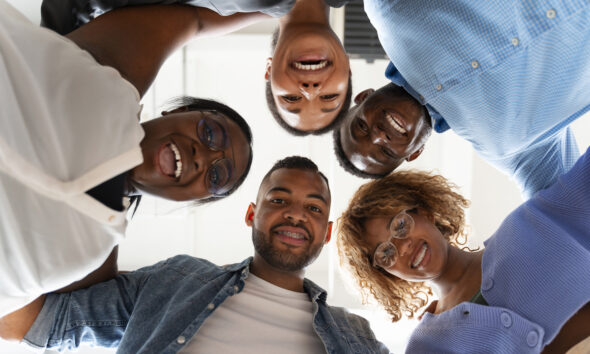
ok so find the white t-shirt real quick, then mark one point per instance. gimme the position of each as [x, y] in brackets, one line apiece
[262, 318]
[67, 124]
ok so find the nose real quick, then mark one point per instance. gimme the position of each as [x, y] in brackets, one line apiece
[404, 246]
[379, 135]
[295, 213]
[310, 88]
[203, 156]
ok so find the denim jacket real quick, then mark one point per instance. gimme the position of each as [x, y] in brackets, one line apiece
[159, 308]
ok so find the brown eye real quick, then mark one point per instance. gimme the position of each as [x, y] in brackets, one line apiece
[291, 99]
[362, 125]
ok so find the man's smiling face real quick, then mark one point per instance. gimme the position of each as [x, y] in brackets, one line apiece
[290, 218]
[385, 128]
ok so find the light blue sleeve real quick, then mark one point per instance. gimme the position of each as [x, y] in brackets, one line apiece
[539, 166]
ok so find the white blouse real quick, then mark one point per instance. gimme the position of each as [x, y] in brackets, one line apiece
[67, 124]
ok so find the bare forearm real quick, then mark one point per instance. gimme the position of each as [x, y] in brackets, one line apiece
[107, 271]
[575, 330]
[212, 24]
[136, 40]
[15, 325]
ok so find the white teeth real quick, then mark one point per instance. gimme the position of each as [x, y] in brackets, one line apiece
[322, 64]
[178, 170]
[420, 256]
[395, 124]
[292, 234]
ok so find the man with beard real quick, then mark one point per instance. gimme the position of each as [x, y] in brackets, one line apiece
[184, 304]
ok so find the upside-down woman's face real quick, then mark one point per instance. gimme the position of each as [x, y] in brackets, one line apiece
[191, 155]
[420, 256]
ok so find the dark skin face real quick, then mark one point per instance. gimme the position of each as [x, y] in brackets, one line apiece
[290, 223]
[178, 161]
[385, 128]
[308, 75]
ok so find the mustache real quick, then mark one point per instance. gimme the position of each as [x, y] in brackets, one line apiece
[301, 226]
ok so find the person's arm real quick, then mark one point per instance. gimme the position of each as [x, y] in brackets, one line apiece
[540, 166]
[15, 325]
[574, 331]
[136, 40]
[60, 321]
[107, 271]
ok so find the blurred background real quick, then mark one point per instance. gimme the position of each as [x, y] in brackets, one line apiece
[231, 69]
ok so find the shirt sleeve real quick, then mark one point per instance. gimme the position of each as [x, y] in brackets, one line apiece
[97, 315]
[539, 166]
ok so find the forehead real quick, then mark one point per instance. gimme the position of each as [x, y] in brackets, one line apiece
[301, 183]
[376, 230]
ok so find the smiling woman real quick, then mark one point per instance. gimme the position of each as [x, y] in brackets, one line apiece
[76, 147]
[397, 238]
[200, 150]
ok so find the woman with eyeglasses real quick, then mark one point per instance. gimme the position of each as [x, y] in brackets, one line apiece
[72, 146]
[527, 291]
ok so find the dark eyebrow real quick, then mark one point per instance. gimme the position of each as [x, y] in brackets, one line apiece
[286, 190]
[279, 189]
[317, 196]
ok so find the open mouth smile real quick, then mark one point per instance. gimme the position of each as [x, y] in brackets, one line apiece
[396, 123]
[311, 65]
[419, 256]
[170, 160]
[291, 235]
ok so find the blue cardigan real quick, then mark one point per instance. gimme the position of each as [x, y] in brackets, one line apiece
[535, 276]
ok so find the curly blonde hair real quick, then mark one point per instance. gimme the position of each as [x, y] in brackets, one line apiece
[386, 197]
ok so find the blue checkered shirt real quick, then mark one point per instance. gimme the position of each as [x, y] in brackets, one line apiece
[508, 76]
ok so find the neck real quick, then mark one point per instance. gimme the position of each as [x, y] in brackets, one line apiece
[287, 280]
[306, 11]
[462, 272]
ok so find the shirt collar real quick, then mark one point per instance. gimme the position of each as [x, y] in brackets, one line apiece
[315, 292]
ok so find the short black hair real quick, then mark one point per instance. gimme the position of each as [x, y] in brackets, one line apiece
[197, 104]
[299, 163]
[272, 107]
[345, 162]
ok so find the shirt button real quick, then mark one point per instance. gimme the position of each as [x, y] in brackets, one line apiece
[515, 41]
[180, 340]
[532, 338]
[551, 13]
[438, 87]
[506, 319]
[210, 307]
[421, 98]
[487, 284]
[236, 289]
[474, 64]
[112, 217]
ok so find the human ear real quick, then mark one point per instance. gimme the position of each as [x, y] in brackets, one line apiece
[250, 214]
[268, 66]
[361, 96]
[176, 110]
[329, 232]
[415, 154]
